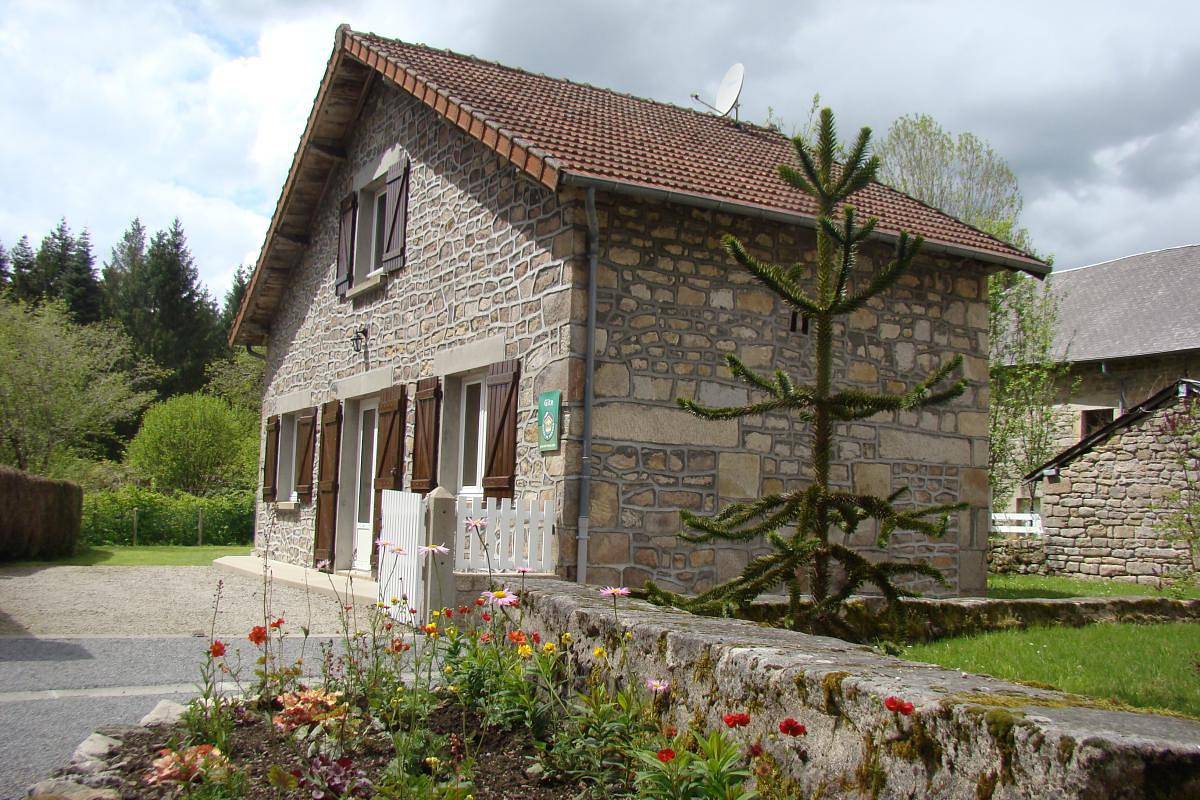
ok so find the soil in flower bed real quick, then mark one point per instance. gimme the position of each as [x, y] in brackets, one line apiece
[499, 769]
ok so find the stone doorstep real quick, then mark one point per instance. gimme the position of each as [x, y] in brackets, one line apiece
[343, 584]
[1054, 744]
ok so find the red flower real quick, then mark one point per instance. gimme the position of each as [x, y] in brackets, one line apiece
[479, 601]
[737, 720]
[486, 617]
[666, 755]
[517, 637]
[537, 637]
[755, 750]
[449, 614]
[217, 648]
[258, 635]
[277, 623]
[792, 728]
[485, 637]
[464, 610]
[898, 706]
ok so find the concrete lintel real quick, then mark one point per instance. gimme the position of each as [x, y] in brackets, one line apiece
[473, 355]
[299, 400]
[364, 383]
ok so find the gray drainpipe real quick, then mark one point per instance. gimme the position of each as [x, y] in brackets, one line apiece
[585, 467]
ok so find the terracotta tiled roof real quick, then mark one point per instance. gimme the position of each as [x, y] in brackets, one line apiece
[599, 133]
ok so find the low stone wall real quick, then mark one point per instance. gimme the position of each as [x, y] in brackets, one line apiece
[1025, 555]
[969, 737]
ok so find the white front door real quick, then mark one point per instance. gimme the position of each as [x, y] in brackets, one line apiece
[364, 519]
[472, 438]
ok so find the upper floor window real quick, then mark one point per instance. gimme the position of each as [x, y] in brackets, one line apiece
[1093, 419]
[373, 227]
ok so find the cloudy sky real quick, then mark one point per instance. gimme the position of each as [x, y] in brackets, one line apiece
[111, 110]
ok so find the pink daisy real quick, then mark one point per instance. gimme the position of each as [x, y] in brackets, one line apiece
[615, 591]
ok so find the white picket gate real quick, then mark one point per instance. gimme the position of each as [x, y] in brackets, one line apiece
[402, 532]
[1014, 524]
[503, 536]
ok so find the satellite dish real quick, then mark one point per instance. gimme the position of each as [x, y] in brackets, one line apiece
[731, 89]
[728, 93]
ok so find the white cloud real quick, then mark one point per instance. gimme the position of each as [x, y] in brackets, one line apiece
[195, 109]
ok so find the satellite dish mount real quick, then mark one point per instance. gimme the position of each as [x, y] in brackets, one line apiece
[728, 93]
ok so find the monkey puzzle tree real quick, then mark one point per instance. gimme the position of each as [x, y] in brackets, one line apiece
[797, 524]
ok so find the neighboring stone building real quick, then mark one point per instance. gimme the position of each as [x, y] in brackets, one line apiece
[1104, 499]
[434, 246]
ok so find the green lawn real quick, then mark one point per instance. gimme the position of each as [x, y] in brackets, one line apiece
[1148, 666]
[1019, 586]
[142, 556]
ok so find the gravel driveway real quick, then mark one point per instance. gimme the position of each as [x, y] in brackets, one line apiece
[148, 601]
[83, 647]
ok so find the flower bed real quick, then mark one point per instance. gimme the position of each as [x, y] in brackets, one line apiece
[474, 703]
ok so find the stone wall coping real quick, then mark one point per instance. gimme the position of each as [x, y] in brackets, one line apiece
[1020, 741]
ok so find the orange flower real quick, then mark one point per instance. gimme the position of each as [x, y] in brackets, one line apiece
[277, 623]
[217, 648]
[517, 637]
[257, 635]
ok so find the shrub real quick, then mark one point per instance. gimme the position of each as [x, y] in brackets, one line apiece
[167, 518]
[197, 444]
[39, 517]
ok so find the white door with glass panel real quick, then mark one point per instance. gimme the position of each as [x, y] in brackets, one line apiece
[364, 527]
[472, 445]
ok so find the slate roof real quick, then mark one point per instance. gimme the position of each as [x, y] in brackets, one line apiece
[1138, 305]
[561, 132]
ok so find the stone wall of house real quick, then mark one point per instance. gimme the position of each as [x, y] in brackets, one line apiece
[1017, 555]
[672, 304]
[489, 252]
[1103, 511]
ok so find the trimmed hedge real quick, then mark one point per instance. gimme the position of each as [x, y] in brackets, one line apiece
[167, 518]
[39, 517]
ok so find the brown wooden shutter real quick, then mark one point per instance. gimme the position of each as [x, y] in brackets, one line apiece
[396, 216]
[306, 429]
[389, 452]
[345, 253]
[427, 404]
[327, 482]
[500, 462]
[271, 459]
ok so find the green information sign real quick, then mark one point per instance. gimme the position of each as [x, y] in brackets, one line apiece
[548, 405]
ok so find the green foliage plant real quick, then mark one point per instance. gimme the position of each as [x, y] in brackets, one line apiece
[1179, 510]
[166, 519]
[196, 443]
[806, 557]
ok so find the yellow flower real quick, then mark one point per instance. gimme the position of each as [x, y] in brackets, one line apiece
[549, 647]
[524, 651]
[629, 636]
[436, 614]
[432, 762]
[566, 637]
[449, 670]
[599, 652]
[395, 601]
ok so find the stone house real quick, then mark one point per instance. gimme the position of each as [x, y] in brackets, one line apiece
[1126, 329]
[456, 237]
[1104, 499]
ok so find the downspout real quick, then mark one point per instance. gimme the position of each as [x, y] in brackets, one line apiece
[585, 467]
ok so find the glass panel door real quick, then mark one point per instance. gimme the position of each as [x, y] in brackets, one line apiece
[365, 489]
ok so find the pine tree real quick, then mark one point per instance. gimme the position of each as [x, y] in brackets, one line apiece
[233, 297]
[170, 315]
[806, 557]
[78, 285]
[22, 259]
[128, 258]
[5, 270]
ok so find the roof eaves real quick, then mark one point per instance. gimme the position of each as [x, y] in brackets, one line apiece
[1184, 387]
[584, 179]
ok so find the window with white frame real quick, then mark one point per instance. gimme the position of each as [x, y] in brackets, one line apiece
[472, 438]
[285, 477]
[372, 229]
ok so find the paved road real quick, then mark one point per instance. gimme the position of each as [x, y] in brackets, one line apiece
[56, 691]
[85, 647]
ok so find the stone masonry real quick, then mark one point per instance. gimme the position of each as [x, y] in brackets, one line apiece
[672, 304]
[489, 252]
[1103, 510]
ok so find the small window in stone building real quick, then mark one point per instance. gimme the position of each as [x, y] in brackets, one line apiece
[799, 323]
[1093, 419]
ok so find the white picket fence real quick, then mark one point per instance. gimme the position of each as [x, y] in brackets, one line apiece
[503, 536]
[402, 532]
[1013, 524]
